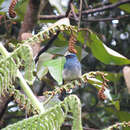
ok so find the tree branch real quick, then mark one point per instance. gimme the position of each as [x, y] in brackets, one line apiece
[50, 17]
[68, 9]
[85, 12]
[106, 19]
[107, 7]
[73, 12]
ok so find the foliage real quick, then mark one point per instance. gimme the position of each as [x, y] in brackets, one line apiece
[97, 45]
[99, 49]
[10, 64]
[54, 117]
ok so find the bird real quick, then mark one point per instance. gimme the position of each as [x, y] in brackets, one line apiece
[72, 67]
[71, 71]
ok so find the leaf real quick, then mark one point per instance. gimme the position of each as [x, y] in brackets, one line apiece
[125, 7]
[60, 43]
[81, 36]
[79, 52]
[62, 25]
[55, 100]
[122, 115]
[20, 8]
[55, 68]
[114, 77]
[57, 50]
[92, 80]
[104, 53]
[116, 104]
[41, 70]
[53, 118]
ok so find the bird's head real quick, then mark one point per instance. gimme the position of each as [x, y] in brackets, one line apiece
[70, 55]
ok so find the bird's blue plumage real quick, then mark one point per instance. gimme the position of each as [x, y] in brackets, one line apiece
[72, 67]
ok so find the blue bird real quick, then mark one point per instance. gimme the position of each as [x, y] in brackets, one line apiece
[72, 67]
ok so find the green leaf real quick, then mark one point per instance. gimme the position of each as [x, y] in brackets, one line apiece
[125, 7]
[114, 77]
[81, 36]
[20, 8]
[79, 52]
[41, 70]
[116, 104]
[55, 68]
[104, 53]
[60, 43]
[57, 50]
[122, 115]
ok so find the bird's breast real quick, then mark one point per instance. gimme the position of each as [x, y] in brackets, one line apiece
[71, 72]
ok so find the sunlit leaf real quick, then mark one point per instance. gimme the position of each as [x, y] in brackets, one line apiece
[104, 53]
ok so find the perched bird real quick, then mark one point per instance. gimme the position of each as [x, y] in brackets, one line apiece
[71, 71]
[72, 67]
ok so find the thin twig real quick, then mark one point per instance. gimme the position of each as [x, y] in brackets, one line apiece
[80, 13]
[87, 20]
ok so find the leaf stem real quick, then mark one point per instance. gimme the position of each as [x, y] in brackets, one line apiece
[29, 93]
